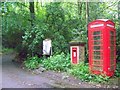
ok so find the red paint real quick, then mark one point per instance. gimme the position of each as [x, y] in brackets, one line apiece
[74, 55]
[100, 47]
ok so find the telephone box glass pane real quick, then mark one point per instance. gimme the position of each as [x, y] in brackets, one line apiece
[96, 50]
[97, 42]
[97, 68]
[96, 62]
[97, 37]
[96, 47]
[112, 49]
[96, 33]
[111, 33]
[96, 57]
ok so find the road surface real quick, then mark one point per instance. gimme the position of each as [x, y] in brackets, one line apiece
[13, 76]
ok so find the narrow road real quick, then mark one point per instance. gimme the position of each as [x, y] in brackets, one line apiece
[13, 76]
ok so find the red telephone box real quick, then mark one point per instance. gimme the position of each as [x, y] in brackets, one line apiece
[102, 47]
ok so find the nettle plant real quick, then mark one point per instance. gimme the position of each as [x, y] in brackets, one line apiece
[59, 62]
[32, 62]
[81, 71]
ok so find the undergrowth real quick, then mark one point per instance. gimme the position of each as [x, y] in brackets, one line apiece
[6, 50]
[32, 62]
[61, 62]
[81, 71]
[117, 71]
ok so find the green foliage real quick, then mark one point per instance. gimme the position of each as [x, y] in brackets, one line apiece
[117, 71]
[6, 50]
[56, 23]
[14, 22]
[82, 72]
[32, 62]
[12, 38]
[59, 21]
[59, 62]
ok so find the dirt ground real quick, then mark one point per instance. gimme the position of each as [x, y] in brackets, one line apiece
[15, 76]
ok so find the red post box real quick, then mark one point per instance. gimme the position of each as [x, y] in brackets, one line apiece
[77, 50]
[75, 56]
[102, 47]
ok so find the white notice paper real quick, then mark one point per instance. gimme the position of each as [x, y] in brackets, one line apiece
[47, 47]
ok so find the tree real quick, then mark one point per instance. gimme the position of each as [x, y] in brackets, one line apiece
[32, 13]
[60, 21]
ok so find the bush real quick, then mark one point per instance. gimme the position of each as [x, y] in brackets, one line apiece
[81, 71]
[117, 71]
[12, 38]
[6, 50]
[59, 62]
[32, 62]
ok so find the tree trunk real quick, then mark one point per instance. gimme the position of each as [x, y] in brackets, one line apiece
[87, 21]
[87, 13]
[32, 13]
[79, 8]
[32, 17]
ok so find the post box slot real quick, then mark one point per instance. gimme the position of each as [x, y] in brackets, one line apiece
[74, 53]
